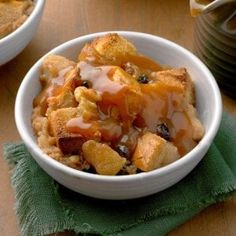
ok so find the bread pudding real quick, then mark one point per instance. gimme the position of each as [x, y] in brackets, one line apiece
[114, 111]
[13, 14]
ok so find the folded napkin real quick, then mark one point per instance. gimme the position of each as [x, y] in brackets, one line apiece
[44, 207]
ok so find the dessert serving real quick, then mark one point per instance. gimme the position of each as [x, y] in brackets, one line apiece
[114, 111]
[13, 14]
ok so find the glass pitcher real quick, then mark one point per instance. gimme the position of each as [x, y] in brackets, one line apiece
[215, 39]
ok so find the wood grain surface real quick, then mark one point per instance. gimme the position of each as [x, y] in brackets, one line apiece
[66, 19]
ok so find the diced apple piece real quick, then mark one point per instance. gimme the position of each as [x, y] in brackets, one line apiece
[103, 158]
[152, 152]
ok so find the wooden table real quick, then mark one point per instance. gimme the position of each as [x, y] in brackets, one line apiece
[67, 19]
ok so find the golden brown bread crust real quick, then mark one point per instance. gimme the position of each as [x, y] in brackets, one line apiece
[65, 98]
[179, 78]
[133, 96]
[113, 45]
[69, 143]
[58, 79]
[52, 65]
[152, 152]
[107, 49]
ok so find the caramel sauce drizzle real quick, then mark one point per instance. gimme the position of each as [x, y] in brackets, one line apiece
[112, 93]
[50, 88]
[161, 104]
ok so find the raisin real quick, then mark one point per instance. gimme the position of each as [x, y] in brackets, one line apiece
[163, 131]
[122, 150]
[85, 84]
[143, 79]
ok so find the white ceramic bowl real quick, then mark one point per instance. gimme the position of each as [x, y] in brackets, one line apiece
[209, 108]
[12, 44]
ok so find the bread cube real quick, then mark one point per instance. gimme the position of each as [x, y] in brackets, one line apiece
[108, 49]
[52, 65]
[69, 143]
[133, 97]
[113, 45]
[177, 78]
[152, 152]
[64, 100]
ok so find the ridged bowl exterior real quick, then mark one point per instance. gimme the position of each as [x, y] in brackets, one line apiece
[215, 45]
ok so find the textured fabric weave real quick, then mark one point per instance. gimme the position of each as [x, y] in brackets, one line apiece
[45, 207]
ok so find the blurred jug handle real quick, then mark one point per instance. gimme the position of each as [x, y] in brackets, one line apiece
[196, 7]
[229, 25]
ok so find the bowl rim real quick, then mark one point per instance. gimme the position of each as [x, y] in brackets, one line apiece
[204, 142]
[38, 6]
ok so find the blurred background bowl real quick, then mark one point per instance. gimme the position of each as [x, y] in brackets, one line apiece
[215, 44]
[209, 107]
[12, 44]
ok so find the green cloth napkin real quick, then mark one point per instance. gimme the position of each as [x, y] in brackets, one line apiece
[44, 207]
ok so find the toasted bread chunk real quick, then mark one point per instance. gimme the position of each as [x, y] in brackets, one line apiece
[57, 88]
[103, 158]
[65, 97]
[69, 143]
[133, 96]
[117, 88]
[152, 152]
[113, 45]
[178, 78]
[13, 14]
[63, 100]
[108, 48]
[52, 65]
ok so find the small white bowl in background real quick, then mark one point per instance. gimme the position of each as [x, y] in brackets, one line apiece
[12, 44]
[209, 107]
